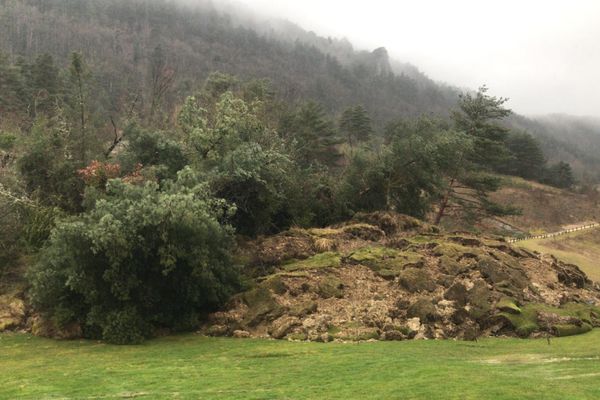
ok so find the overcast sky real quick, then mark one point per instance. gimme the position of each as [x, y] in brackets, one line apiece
[543, 55]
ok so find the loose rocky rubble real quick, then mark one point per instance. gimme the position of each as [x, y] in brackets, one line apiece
[385, 276]
[391, 277]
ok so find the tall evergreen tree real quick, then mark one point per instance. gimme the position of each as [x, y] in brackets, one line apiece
[355, 124]
[526, 157]
[560, 175]
[478, 116]
[78, 75]
[314, 136]
[44, 85]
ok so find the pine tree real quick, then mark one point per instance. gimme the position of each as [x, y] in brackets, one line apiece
[355, 125]
[78, 101]
[527, 158]
[478, 116]
[315, 137]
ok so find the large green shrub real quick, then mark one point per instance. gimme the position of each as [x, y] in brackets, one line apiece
[145, 257]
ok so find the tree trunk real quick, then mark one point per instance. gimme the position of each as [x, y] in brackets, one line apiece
[444, 204]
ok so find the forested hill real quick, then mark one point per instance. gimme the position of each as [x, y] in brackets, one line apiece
[575, 140]
[138, 50]
[120, 40]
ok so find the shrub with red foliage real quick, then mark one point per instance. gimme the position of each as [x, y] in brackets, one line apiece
[98, 173]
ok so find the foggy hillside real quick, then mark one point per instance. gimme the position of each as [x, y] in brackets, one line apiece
[119, 40]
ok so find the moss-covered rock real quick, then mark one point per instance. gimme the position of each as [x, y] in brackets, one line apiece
[262, 306]
[303, 309]
[457, 293]
[275, 284]
[327, 259]
[452, 250]
[424, 309]
[478, 299]
[466, 240]
[451, 266]
[570, 319]
[282, 326]
[416, 280]
[501, 274]
[570, 329]
[385, 261]
[276, 249]
[330, 286]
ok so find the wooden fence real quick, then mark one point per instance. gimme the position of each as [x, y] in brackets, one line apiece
[553, 234]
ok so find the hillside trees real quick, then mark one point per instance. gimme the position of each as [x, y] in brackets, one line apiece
[404, 176]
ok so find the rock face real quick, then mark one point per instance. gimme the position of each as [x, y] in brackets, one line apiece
[13, 312]
[391, 277]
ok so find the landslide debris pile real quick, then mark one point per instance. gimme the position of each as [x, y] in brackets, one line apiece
[391, 277]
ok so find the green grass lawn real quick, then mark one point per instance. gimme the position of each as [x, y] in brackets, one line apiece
[580, 248]
[195, 367]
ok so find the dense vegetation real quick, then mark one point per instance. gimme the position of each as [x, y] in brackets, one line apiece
[127, 174]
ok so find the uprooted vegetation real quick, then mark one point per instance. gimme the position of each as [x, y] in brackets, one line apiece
[392, 277]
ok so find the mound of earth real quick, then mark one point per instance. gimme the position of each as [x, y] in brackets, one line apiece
[391, 277]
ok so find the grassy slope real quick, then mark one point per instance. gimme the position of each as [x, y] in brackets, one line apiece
[191, 367]
[580, 248]
[545, 208]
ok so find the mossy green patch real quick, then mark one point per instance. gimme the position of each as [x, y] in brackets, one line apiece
[385, 261]
[507, 304]
[420, 239]
[571, 329]
[526, 322]
[275, 283]
[298, 336]
[328, 259]
[455, 250]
